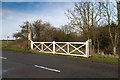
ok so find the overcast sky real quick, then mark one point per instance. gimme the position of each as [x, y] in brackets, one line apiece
[15, 13]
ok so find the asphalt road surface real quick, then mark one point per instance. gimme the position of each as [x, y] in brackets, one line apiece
[23, 65]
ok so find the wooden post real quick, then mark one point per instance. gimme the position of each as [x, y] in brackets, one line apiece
[53, 47]
[42, 47]
[68, 50]
[29, 35]
[29, 42]
[32, 44]
[90, 47]
[87, 48]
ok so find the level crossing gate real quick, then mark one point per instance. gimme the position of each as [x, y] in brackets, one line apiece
[64, 48]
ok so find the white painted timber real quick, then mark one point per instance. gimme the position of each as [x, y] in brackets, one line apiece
[43, 46]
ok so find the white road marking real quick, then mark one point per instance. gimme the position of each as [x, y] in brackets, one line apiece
[3, 57]
[47, 68]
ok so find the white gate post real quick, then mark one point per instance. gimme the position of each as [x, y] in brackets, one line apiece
[87, 48]
[53, 47]
[68, 51]
[42, 46]
[32, 44]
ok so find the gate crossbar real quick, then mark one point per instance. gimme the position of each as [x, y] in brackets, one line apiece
[61, 48]
[47, 47]
[77, 48]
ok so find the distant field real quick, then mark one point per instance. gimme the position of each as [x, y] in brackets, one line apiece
[4, 43]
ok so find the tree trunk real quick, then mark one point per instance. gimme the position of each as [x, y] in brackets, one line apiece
[98, 48]
[115, 50]
[94, 46]
[90, 47]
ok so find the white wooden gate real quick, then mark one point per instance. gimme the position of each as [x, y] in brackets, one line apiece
[65, 48]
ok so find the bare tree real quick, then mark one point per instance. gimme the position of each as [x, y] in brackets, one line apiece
[85, 17]
[110, 16]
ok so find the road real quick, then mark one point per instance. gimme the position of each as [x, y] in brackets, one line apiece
[23, 65]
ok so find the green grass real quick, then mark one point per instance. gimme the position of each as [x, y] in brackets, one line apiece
[99, 59]
[96, 58]
[18, 49]
[4, 43]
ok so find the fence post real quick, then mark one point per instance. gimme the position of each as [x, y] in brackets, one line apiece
[42, 46]
[68, 48]
[32, 44]
[53, 47]
[87, 48]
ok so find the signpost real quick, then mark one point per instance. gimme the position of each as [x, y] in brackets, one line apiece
[7, 39]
